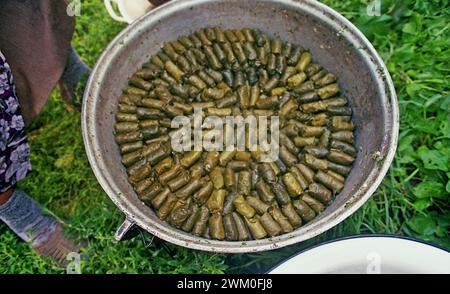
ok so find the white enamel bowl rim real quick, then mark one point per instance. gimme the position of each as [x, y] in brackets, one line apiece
[404, 254]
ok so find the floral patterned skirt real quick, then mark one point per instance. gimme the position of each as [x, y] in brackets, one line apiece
[14, 148]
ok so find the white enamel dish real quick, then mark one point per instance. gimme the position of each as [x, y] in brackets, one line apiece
[377, 254]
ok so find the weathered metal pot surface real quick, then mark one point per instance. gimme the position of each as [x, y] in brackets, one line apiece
[333, 41]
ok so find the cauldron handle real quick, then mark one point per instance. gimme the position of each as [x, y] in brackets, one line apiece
[128, 230]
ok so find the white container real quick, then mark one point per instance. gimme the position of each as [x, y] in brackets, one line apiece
[370, 254]
[129, 10]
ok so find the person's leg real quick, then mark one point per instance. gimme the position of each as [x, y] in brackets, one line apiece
[18, 211]
[5, 196]
[71, 84]
[25, 217]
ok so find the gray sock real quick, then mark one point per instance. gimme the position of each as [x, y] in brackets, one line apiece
[25, 217]
[74, 71]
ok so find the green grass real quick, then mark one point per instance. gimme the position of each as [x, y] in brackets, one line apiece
[412, 37]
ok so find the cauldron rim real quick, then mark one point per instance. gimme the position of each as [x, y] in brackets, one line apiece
[134, 214]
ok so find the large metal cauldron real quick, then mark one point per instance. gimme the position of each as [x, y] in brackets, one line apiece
[334, 42]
